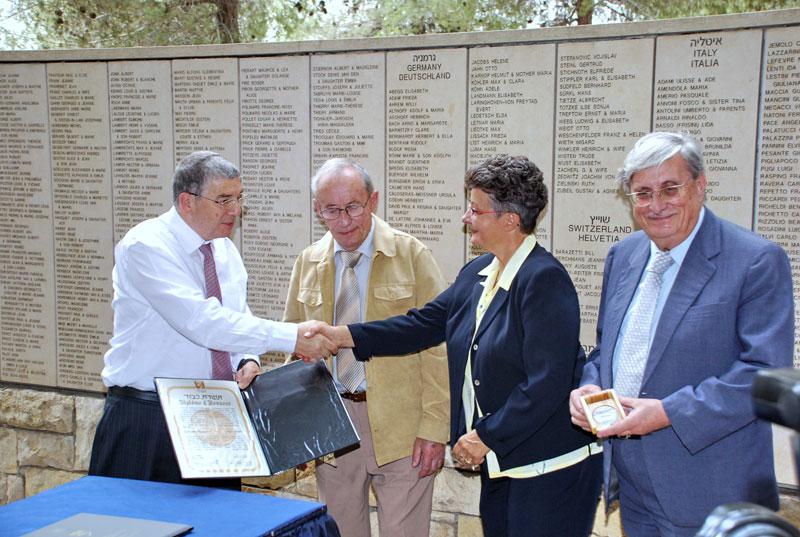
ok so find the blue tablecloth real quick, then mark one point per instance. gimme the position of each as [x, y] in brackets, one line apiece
[212, 512]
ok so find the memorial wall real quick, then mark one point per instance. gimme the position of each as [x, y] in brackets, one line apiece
[89, 141]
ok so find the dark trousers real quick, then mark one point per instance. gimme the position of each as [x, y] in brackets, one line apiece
[132, 442]
[558, 504]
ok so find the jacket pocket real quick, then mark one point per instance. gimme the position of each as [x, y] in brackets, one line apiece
[393, 299]
[706, 311]
[394, 291]
[311, 299]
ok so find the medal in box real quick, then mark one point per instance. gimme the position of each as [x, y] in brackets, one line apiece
[602, 409]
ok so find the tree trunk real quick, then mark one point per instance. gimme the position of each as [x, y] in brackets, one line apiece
[584, 10]
[228, 20]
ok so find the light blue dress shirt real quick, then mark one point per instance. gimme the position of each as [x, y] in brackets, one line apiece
[678, 254]
[362, 275]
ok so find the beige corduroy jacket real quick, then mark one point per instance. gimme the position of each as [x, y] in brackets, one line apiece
[408, 396]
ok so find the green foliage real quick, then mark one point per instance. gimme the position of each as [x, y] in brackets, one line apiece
[370, 18]
[129, 23]
[670, 9]
[406, 17]
[111, 23]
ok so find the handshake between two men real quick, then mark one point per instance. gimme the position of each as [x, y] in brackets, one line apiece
[318, 340]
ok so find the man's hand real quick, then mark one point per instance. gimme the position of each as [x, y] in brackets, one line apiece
[311, 344]
[470, 451]
[339, 335]
[246, 374]
[428, 455]
[643, 417]
[576, 408]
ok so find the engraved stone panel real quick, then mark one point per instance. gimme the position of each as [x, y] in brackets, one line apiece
[426, 116]
[348, 93]
[206, 109]
[704, 82]
[275, 171]
[206, 105]
[511, 107]
[140, 98]
[81, 164]
[778, 217]
[603, 107]
[27, 294]
[707, 84]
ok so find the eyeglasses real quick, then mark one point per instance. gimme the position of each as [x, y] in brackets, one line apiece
[228, 204]
[667, 194]
[353, 210]
[472, 211]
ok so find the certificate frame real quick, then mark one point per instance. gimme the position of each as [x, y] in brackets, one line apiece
[210, 429]
[286, 416]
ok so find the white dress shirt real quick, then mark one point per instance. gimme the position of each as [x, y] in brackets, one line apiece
[164, 325]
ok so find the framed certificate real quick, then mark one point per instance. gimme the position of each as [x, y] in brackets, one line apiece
[210, 429]
[287, 416]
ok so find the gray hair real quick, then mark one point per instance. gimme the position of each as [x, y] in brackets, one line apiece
[513, 184]
[336, 165]
[656, 148]
[198, 169]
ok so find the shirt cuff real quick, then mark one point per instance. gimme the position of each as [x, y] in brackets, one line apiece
[245, 360]
[282, 337]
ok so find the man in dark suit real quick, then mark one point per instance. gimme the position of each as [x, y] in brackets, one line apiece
[681, 342]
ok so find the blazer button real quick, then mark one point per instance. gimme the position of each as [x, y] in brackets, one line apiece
[477, 382]
[475, 347]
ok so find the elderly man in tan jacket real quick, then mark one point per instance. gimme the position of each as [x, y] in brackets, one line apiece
[361, 270]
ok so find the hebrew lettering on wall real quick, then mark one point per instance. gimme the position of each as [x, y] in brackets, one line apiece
[603, 107]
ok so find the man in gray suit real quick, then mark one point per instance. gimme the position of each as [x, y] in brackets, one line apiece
[692, 307]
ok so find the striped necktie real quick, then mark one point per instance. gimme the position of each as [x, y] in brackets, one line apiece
[348, 310]
[220, 360]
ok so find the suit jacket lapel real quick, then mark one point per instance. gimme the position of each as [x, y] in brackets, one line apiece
[326, 273]
[497, 303]
[474, 298]
[499, 299]
[697, 268]
[622, 294]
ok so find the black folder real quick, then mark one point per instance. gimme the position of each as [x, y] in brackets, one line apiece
[286, 417]
[297, 414]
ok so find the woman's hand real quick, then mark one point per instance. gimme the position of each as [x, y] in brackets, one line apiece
[470, 451]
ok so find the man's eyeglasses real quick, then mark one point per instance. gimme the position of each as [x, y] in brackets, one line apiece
[353, 210]
[227, 204]
[666, 195]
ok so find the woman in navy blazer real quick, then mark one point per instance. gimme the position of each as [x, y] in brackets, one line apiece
[511, 323]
